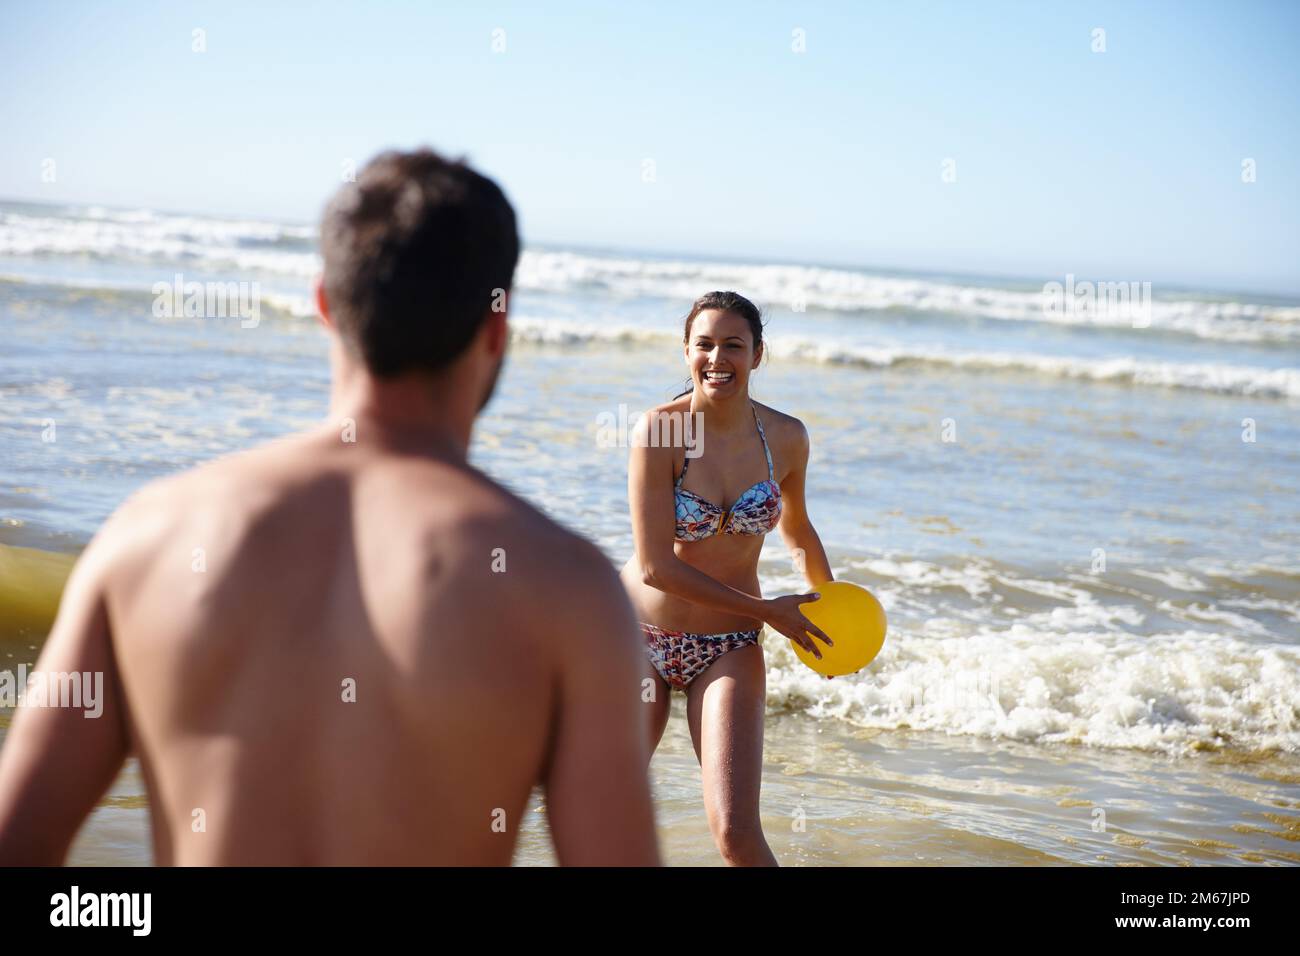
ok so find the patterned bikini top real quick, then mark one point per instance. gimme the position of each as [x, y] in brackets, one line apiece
[756, 511]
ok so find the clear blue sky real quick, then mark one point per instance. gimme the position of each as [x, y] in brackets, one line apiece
[1117, 165]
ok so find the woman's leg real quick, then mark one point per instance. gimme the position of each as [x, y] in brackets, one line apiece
[725, 709]
[657, 697]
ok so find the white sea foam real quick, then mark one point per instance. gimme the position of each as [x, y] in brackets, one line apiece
[213, 244]
[975, 578]
[1101, 688]
[1198, 613]
[1178, 580]
[814, 287]
[284, 249]
[299, 306]
[985, 649]
[1204, 377]
[1288, 609]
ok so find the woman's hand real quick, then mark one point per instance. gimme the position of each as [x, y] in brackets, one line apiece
[783, 614]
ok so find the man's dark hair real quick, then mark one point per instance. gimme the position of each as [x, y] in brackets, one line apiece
[417, 251]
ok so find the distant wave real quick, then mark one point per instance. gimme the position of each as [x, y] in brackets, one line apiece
[1202, 377]
[1244, 380]
[144, 236]
[282, 303]
[812, 287]
[243, 246]
[1205, 377]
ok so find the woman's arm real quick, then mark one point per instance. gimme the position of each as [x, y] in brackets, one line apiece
[795, 527]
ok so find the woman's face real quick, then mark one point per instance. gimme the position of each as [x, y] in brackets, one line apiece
[720, 353]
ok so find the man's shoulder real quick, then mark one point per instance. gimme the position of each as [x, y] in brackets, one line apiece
[244, 478]
[447, 510]
[553, 552]
[229, 490]
[557, 571]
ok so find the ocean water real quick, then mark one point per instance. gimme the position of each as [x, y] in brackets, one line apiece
[1082, 522]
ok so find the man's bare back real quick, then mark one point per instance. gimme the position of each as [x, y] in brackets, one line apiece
[332, 652]
[350, 646]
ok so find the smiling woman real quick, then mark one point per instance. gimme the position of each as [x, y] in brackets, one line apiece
[723, 373]
[694, 576]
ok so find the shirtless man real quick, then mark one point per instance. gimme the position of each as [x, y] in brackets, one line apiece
[349, 646]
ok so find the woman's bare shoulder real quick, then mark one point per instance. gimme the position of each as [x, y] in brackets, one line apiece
[661, 430]
[785, 431]
[679, 405]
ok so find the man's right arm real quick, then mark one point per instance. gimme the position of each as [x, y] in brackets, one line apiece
[57, 761]
[597, 791]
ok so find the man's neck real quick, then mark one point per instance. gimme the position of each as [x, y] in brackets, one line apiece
[411, 414]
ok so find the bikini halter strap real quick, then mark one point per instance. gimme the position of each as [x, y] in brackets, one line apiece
[767, 452]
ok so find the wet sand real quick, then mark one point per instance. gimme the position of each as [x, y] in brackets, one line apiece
[906, 798]
[836, 795]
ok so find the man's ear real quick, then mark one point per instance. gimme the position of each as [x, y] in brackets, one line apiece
[496, 331]
[322, 307]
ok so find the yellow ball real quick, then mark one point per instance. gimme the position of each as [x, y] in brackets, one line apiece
[31, 582]
[852, 618]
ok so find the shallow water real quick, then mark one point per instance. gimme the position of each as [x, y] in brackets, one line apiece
[836, 795]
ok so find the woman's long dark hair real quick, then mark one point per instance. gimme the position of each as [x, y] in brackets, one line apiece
[724, 302]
